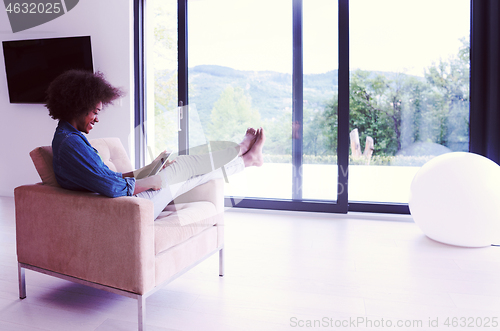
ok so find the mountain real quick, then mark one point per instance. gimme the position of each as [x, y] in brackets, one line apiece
[270, 92]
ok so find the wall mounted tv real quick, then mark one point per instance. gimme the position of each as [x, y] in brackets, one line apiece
[31, 65]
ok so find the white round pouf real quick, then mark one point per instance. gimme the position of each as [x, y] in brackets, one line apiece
[455, 199]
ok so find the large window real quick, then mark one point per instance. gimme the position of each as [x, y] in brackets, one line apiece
[240, 76]
[320, 96]
[161, 77]
[409, 91]
[276, 64]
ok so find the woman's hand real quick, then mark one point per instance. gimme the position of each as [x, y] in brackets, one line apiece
[146, 170]
[167, 164]
[159, 159]
[149, 183]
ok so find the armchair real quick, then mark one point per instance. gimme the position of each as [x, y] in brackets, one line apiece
[114, 244]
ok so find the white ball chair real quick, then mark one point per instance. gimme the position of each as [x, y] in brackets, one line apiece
[455, 199]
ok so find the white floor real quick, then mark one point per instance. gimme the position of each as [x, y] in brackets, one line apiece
[284, 271]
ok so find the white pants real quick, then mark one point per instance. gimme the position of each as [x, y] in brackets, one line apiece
[190, 171]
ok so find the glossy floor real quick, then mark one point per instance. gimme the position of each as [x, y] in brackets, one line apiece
[284, 271]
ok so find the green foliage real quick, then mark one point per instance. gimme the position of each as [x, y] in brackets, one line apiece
[449, 83]
[279, 134]
[329, 127]
[397, 110]
[165, 115]
[164, 54]
[315, 143]
[232, 115]
[375, 108]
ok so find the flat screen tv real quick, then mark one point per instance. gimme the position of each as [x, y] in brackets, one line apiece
[31, 65]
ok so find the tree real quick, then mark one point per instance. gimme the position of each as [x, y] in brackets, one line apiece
[279, 134]
[376, 109]
[164, 61]
[450, 82]
[398, 110]
[231, 115]
[315, 142]
[165, 115]
[329, 125]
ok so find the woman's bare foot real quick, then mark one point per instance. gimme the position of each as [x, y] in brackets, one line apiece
[248, 141]
[253, 157]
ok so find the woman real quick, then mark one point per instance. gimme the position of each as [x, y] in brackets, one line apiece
[76, 98]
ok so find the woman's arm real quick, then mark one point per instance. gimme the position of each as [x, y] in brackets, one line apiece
[142, 185]
[131, 174]
[128, 174]
[78, 167]
[149, 183]
[139, 188]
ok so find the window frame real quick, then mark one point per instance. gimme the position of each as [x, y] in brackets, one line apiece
[342, 205]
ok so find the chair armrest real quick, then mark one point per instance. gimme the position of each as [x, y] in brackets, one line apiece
[212, 191]
[109, 241]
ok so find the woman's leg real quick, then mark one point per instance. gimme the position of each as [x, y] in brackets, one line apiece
[194, 170]
[200, 161]
[233, 167]
[161, 198]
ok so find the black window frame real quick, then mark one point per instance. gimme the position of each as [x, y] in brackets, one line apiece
[342, 205]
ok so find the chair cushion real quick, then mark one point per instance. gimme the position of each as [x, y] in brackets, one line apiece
[42, 158]
[112, 153]
[110, 149]
[179, 222]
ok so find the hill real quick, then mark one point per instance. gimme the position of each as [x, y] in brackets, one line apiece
[270, 92]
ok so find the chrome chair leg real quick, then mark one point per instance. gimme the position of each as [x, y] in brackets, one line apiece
[22, 282]
[141, 301]
[221, 262]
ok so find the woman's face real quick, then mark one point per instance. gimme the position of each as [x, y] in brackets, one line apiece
[87, 122]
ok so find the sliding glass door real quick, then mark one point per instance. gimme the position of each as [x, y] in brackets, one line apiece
[260, 63]
[240, 76]
[161, 64]
[354, 96]
[320, 100]
[409, 91]
[253, 63]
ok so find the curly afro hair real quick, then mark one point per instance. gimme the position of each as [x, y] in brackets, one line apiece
[76, 92]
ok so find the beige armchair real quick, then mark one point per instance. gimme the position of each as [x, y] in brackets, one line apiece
[114, 244]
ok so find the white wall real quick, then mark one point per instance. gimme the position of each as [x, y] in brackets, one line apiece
[24, 127]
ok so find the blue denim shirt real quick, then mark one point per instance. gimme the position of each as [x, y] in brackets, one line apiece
[78, 166]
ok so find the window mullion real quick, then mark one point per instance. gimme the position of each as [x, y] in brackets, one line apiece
[139, 71]
[297, 96]
[182, 30]
[343, 106]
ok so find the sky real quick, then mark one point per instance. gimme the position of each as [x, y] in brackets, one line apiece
[385, 35]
